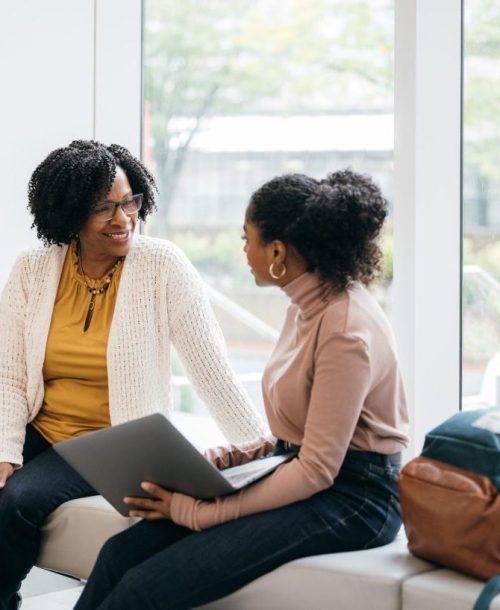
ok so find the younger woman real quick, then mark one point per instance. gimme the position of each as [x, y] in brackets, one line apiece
[332, 389]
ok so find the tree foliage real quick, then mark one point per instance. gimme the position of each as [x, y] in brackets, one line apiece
[482, 89]
[274, 57]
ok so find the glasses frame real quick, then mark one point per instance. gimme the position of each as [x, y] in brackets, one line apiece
[111, 206]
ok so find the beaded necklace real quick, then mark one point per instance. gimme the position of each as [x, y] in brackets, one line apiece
[92, 290]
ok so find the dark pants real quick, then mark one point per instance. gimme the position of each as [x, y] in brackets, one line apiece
[40, 486]
[160, 565]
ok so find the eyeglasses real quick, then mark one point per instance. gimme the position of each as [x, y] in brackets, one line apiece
[107, 209]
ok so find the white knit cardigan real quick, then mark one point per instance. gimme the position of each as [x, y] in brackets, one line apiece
[161, 300]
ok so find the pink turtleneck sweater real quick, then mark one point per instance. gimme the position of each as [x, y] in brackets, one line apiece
[332, 383]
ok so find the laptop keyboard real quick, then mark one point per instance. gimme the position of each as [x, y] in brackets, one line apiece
[246, 473]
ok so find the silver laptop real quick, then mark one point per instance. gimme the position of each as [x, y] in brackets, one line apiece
[116, 460]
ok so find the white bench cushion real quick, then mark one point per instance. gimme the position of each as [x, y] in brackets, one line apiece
[345, 581]
[74, 534]
[443, 589]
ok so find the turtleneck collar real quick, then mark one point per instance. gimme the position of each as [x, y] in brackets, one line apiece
[307, 293]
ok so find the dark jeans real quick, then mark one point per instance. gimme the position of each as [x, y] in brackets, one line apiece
[160, 565]
[40, 486]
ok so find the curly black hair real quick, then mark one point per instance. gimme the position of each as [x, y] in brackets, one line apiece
[333, 223]
[66, 186]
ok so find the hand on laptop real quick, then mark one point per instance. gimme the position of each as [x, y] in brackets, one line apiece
[151, 508]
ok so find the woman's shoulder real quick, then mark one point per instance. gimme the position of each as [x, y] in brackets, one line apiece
[32, 258]
[166, 265]
[145, 245]
[354, 311]
[159, 252]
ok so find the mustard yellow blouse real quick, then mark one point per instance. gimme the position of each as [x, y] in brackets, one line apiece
[75, 370]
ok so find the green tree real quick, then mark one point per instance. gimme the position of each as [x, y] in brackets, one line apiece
[232, 57]
[482, 104]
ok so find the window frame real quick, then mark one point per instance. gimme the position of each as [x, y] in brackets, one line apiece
[427, 209]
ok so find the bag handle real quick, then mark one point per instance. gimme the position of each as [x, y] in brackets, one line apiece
[489, 591]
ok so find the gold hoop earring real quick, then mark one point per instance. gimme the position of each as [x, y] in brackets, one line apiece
[274, 275]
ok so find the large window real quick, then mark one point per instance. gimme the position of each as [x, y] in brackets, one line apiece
[237, 92]
[481, 204]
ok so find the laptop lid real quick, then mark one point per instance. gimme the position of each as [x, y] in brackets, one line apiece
[116, 460]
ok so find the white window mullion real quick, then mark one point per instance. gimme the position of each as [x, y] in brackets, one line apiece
[427, 207]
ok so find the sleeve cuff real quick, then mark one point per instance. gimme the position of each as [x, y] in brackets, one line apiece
[183, 511]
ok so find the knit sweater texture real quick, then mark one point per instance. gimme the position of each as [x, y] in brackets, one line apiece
[333, 383]
[161, 301]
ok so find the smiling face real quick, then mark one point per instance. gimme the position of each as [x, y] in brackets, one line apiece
[104, 242]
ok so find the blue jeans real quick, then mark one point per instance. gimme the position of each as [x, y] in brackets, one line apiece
[158, 564]
[40, 486]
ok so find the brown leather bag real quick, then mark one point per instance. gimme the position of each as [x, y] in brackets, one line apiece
[451, 516]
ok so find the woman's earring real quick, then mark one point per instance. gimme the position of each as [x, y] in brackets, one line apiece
[274, 275]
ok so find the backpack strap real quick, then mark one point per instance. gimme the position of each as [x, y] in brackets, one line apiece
[490, 590]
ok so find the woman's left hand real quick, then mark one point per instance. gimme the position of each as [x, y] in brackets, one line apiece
[152, 508]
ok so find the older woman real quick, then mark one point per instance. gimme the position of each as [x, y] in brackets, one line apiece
[332, 389]
[86, 324]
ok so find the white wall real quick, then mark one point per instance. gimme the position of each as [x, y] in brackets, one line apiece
[69, 69]
[46, 72]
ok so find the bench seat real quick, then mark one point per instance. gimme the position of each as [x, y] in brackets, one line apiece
[443, 590]
[344, 581]
[75, 532]
[386, 578]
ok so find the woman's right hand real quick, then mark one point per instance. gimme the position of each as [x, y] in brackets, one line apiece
[6, 471]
